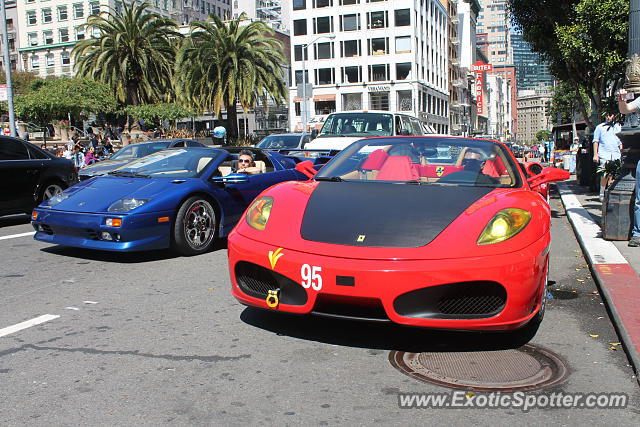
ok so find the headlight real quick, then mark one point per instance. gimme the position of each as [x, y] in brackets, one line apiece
[504, 225]
[259, 211]
[125, 205]
[56, 199]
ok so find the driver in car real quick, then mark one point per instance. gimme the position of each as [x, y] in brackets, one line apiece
[246, 164]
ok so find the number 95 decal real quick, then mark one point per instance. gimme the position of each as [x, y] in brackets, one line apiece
[311, 277]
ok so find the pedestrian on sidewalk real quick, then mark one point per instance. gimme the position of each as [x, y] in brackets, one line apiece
[632, 107]
[606, 145]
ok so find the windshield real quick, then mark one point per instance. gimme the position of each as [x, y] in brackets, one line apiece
[424, 160]
[171, 163]
[279, 141]
[357, 124]
[139, 150]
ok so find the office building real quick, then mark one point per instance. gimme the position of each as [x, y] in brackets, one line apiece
[495, 22]
[386, 55]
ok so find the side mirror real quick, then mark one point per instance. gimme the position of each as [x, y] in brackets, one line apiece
[548, 174]
[314, 134]
[306, 168]
[234, 178]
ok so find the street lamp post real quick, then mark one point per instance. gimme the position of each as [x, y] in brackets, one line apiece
[617, 215]
[303, 112]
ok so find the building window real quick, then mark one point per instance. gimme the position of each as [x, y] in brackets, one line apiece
[65, 58]
[325, 107]
[350, 22]
[379, 72]
[30, 1]
[322, 3]
[300, 27]
[299, 77]
[322, 25]
[351, 74]
[403, 44]
[325, 76]
[299, 4]
[297, 53]
[351, 101]
[63, 35]
[379, 101]
[31, 17]
[374, 1]
[78, 10]
[405, 103]
[350, 48]
[49, 60]
[324, 50]
[377, 19]
[63, 15]
[80, 33]
[348, 2]
[402, 17]
[94, 7]
[403, 71]
[33, 39]
[379, 46]
[47, 36]
[47, 17]
[35, 62]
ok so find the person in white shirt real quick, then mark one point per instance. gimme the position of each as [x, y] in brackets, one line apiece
[632, 107]
[606, 145]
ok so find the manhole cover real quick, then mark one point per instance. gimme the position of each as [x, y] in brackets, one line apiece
[525, 368]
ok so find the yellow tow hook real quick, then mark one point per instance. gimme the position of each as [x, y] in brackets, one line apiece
[273, 298]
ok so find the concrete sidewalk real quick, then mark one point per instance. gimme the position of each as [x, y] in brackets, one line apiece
[614, 265]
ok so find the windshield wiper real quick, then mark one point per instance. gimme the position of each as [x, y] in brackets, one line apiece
[129, 174]
[329, 178]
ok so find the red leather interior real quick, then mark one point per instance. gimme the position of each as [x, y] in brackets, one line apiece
[375, 160]
[431, 171]
[398, 168]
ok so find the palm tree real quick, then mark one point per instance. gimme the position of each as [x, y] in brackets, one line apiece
[134, 53]
[221, 65]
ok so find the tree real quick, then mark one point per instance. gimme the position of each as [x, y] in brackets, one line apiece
[584, 42]
[157, 113]
[222, 64]
[134, 53]
[565, 102]
[54, 99]
[543, 135]
[20, 80]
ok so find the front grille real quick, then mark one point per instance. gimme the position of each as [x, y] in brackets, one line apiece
[470, 304]
[256, 281]
[86, 233]
[465, 300]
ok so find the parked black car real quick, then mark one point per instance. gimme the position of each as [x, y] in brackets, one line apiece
[29, 175]
[132, 152]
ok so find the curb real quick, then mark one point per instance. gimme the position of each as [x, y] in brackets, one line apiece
[618, 282]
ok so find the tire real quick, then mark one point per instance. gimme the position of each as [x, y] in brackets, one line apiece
[50, 189]
[194, 229]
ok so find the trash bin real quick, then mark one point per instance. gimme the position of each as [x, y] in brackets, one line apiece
[585, 168]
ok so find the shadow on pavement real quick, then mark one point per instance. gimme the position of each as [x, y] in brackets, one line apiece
[123, 257]
[383, 336]
[8, 221]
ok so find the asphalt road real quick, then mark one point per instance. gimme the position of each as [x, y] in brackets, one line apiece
[150, 339]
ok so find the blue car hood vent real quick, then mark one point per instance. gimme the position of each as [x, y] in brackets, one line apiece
[383, 214]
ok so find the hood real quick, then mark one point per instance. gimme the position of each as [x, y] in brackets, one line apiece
[332, 142]
[104, 167]
[383, 215]
[101, 192]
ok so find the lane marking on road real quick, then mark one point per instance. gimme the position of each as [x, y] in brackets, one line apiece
[13, 236]
[27, 324]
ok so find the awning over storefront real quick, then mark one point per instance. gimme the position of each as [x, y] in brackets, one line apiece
[329, 97]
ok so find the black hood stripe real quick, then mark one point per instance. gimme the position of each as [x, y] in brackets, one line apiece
[383, 214]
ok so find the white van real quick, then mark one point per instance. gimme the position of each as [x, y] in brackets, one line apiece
[341, 129]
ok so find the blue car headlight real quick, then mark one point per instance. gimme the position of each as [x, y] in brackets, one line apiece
[56, 199]
[126, 205]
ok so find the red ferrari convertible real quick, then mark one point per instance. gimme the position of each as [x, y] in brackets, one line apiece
[437, 232]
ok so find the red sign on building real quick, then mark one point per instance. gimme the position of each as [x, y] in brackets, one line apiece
[479, 68]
